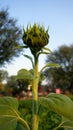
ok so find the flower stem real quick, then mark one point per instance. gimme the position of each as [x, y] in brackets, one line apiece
[35, 96]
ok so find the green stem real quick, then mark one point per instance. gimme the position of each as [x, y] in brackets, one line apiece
[35, 96]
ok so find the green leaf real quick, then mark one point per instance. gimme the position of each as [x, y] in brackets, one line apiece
[43, 52]
[50, 65]
[68, 129]
[68, 125]
[59, 103]
[47, 49]
[25, 74]
[20, 127]
[9, 101]
[9, 115]
[30, 58]
[8, 105]
[7, 123]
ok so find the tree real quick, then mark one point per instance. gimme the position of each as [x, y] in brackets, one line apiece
[10, 36]
[17, 86]
[3, 75]
[61, 77]
[3, 78]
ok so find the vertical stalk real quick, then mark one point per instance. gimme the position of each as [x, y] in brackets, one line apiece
[35, 95]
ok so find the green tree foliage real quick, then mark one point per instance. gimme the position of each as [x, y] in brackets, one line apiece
[10, 36]
[11, 86]
[3, 78]
[17, 86]
[3, 75]
[63, 76]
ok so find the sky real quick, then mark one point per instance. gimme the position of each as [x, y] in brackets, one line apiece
[55, 14]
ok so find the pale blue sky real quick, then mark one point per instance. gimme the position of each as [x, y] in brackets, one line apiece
[57, 14]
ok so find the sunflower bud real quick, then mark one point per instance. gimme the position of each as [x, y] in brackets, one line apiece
[35, 37]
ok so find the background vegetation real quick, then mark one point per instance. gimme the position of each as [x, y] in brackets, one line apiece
[10, 37]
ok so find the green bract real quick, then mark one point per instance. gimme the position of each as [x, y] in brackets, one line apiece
[35, 37]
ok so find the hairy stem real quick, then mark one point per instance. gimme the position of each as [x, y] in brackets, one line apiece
[35, 96]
